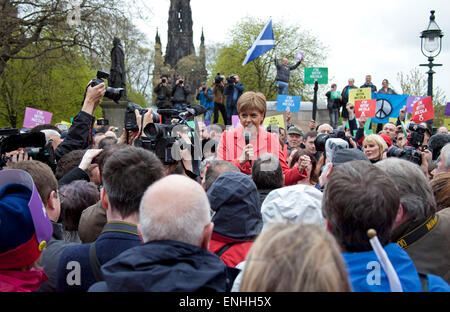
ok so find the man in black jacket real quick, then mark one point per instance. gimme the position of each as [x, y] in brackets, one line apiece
[180, 92]
[162, 91]
[283, 74]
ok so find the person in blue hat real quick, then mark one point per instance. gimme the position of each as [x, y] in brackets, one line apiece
[24, 231]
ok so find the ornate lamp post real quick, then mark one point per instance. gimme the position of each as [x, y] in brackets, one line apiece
[431, 45]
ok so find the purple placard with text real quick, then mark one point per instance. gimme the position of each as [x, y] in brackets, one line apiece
[447, 110]
[34, 117]
[410, 102]
[298, 56]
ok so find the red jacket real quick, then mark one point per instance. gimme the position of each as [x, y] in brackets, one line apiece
[235, 254]
[233, 142]
[21, 281]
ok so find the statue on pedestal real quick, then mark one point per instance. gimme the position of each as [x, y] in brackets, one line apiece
[117, 73]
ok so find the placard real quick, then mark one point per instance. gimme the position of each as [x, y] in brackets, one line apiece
[365, 108]
[423, 110]
[288, 101]
[359, 94]
[276, 120]
[34, 117]
[313, 74]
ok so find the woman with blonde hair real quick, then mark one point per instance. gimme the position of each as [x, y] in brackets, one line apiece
[374, 147]
[295, 258]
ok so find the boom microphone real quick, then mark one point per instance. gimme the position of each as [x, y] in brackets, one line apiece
[194, 111]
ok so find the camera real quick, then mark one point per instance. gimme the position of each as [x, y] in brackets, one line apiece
[218, 79]
[102, 122]
[160, 138]
[34, 144]
[322, 138]
[114, 94]
[417, 135]
[180, 82]
[408, 153]
[130, 116]
[231, 79]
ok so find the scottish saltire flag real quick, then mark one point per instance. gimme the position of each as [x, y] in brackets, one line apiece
[388, 106]
[263, 43]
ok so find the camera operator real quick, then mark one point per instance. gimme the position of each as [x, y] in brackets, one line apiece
[180, 92]
[233, 91]
[163, 91]
[219, 98]
[206, 97]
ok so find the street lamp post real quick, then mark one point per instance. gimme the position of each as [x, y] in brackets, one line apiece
[431, 45]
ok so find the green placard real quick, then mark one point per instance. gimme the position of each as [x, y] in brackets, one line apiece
[335, 94]
[313, 74]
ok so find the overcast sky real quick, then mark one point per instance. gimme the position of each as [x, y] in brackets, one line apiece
[380, 38]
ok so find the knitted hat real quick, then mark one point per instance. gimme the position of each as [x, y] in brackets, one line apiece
[25, 227]
[387, 139]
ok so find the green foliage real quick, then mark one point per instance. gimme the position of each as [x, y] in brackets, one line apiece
[55, 83]
[259, 75]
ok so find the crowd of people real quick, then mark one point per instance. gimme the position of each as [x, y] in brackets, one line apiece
[261, 209]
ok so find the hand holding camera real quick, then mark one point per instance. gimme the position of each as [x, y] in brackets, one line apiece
[93, 97]
[88, 157]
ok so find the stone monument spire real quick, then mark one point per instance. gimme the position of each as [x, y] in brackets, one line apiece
[180, 35]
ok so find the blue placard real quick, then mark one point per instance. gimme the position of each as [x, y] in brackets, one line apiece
[285, 101]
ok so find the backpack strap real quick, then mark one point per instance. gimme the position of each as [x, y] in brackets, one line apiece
[424, 282]
[224, 248]
[95, 264]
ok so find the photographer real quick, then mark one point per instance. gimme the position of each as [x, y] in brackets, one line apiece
[219, 98]
[162, 91]
[180, 92]
[233, 91]
[206, 97]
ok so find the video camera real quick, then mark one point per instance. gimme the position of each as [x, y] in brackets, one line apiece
[114, 94]
[322, 138]
[417, 135]
[160, 138]
[130, 116]
[34, 143]
[408, 153]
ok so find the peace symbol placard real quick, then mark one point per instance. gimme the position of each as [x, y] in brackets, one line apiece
[383, 109]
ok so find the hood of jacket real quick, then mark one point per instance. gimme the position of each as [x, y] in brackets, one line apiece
[165, 266]
[22, 281]
[235, 199]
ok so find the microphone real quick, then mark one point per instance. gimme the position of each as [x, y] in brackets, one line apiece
[247, 137]
[194, 111]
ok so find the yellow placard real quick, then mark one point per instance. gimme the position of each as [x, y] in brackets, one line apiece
[66, 123]
[277, 120]
[447, 123]
[393, 120]
[359, 94]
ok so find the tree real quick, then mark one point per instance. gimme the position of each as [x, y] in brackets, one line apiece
[415, 83]
[54, 83]
[54, 24]
[259, 75]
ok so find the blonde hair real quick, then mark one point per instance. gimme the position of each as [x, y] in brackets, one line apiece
[252, 101]
[293, 258]
[378, 140]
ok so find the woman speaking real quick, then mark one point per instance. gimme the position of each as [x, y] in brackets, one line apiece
[244, 144]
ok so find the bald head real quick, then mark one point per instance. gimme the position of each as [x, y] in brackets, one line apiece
[325, 128]
[174, 208]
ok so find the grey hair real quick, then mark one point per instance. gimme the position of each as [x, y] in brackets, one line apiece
[445, 151]
[182, 219]
[416, 194]
[49, 133]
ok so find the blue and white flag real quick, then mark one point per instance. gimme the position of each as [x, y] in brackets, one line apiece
[388, 106]
[263, 43]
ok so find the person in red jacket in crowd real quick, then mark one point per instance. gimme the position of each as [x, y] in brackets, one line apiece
[237, 218]
[233, 147]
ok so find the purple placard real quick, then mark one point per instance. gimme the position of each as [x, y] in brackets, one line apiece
[410, 102]
[235, 121]
[299, 56]
[34, 117]
[447, 110]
